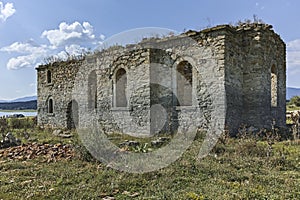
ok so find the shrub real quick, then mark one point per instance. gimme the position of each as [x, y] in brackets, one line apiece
[295, 101]
[3, 125]
[22, 123]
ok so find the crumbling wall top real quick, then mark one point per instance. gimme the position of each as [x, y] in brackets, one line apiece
[153, 41]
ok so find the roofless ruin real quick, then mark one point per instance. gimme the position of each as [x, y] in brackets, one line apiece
[232, 73]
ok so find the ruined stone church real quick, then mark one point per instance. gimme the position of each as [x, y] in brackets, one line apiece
[232, 73]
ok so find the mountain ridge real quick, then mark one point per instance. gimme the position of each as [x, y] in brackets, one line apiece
[290, 92]
[21, 99]
[19, 105]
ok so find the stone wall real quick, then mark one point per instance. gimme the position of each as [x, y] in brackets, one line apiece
[251, 51]
[138, 88]
[59, 89]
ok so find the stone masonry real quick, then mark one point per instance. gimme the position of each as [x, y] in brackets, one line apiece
[235, 74]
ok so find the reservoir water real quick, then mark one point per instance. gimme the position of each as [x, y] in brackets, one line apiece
[25, 113]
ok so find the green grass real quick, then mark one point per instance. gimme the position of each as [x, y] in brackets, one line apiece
[236, 169]
[292, 108]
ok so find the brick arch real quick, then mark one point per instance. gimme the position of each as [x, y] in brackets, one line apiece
[183, 80]
[184, 59]
[115, 68]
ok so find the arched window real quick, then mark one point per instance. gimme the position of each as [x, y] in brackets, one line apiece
[184, 83]
[49, 78]
[92, 90]
[274, 87]
[50, 105]
[120, 91]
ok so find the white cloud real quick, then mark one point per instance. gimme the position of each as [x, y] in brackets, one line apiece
[73, 39]
[22, 61]
[258, 5]
[6, 11]
[33, 53]
[74, 33]
[293, 54]
[293, 58]
[27, 47]
[75, 49]
[293, 45]
[293, 62]
[102, 37]
[32, 85]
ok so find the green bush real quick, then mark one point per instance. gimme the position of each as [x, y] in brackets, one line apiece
[295, 101]
[3, 125]
[22, 123]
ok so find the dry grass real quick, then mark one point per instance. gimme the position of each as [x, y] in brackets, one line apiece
[247, 168]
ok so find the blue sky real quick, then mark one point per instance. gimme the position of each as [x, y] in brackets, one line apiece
[32, 30]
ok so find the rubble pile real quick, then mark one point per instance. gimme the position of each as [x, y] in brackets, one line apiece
[49, 152]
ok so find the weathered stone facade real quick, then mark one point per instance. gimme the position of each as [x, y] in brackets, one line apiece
[231, 73]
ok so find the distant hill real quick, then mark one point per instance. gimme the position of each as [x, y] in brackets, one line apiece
[23, 103]
[19, 105]
[22, 99]
[290, 92]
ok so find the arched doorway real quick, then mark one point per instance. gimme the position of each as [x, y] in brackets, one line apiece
[72, 114]
[184, 83]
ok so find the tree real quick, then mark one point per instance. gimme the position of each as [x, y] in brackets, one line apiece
[295, 101]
